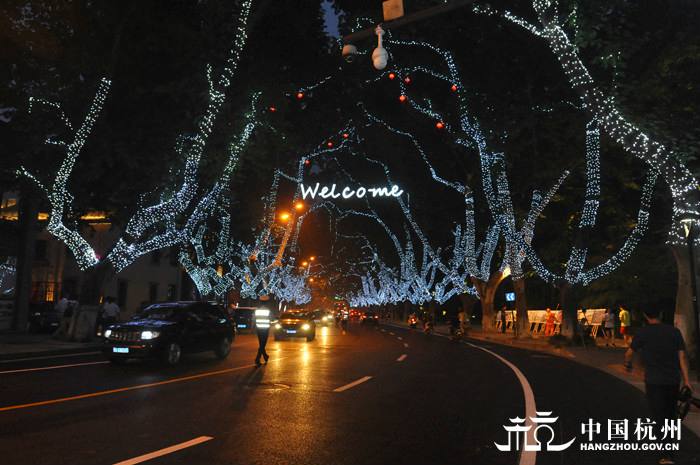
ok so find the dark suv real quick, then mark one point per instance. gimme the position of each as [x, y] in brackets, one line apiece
[166, 330]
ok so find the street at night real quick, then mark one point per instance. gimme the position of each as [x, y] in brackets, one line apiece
[349, 232]
[426, 399]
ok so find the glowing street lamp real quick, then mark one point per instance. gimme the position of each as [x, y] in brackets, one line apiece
[284, 216]
[299, 206]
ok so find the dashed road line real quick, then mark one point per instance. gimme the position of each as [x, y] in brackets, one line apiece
[166, 451]
[402, 358]
[353, 384]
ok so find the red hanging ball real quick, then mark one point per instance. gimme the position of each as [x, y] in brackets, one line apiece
[402, 98]
[392, 76]
[407, 79]
[272, 109]
[307, 162]
[345, 135]
[454, 87]
[300, 95]
[329, 144]
[440, 125]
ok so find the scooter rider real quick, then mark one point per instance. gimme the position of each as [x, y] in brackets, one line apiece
[262, 327]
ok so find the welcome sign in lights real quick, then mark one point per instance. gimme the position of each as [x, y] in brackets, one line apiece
[335, 192]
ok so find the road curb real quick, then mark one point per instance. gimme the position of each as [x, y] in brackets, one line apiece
[41, 353]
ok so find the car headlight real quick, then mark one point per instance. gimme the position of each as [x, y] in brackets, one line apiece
[278, 326]
[108, 332]
[146, 335]
[305, 327]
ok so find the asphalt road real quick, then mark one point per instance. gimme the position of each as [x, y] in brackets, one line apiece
[371, 396]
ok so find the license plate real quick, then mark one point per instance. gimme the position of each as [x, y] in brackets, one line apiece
[242, 326]
[120, 350]
[291, 331]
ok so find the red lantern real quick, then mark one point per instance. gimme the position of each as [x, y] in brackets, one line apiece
[454, 87]
[307, 162]
[329, 144]
[402, 98]
[300, 95]
[392, 76]
[345, 135]
[440, 125]
[407, 79]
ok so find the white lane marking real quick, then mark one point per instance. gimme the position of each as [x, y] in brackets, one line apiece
[55, 367]
[405, 344]
[399, 338]
[166, 451]
[48, 356]
[391, 334]
[527, 457]
[402, 358]
[353, 384]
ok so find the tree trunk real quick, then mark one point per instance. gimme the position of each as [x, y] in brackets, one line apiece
[28, 210]
[568, 314]
[487, 292]
[684, 316]
[93, 282]
[523, 323]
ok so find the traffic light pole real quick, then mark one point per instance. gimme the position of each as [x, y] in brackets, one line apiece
[408, 19]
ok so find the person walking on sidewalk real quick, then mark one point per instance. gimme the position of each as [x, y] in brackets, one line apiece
[663, 354]
[549, 320]
[625, 323]
[110, 311]
[462, 318]
[609, 327]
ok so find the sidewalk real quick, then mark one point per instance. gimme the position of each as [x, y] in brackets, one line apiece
[607, 359]
[20, 345]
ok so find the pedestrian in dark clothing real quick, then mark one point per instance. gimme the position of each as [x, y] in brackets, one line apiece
[662, 350]
[262, 328]
[503, 318]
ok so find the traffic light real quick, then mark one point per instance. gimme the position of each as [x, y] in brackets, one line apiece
[392, 9]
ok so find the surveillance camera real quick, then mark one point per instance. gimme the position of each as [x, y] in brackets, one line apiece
[380, 58]
[349, 52]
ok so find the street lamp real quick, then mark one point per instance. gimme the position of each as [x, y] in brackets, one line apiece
[691, 233]
[284, 216]
[299, 206]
